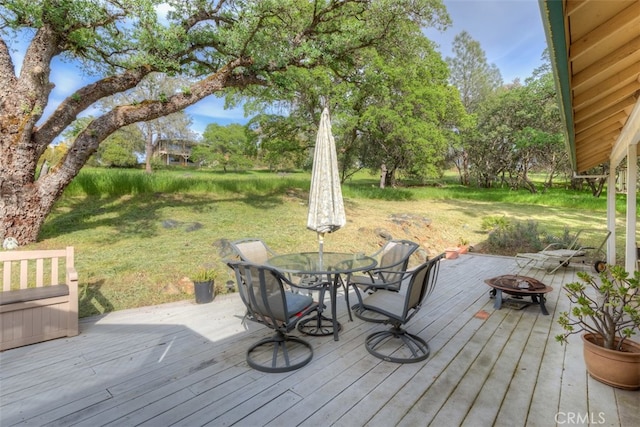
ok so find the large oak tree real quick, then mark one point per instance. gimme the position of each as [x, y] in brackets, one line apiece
[222, 46]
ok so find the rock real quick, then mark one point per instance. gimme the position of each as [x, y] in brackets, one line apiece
[384, 233]
[193, 227]
[185, 285]
[170, 223]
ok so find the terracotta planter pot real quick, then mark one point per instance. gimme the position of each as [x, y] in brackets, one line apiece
[620, 369]
[463, 249]
[451, 253]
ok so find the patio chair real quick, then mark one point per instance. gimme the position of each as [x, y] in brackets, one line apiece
[393, 261]
[397, 309]
[261, 289]
[552, 257]
[258, 252]
[252, 250]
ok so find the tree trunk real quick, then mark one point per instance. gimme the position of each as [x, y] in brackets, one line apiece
[529, 185]
[391, 178]
[23, 209]
[25, 203]
[466, 175]
[552, 170]
[383, 175]
[596, 185]
[148, 149]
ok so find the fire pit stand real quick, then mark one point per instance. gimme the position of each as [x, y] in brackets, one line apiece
[518, 286]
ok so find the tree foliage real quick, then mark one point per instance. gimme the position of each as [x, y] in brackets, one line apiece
[517, 126]
[408, 115]
[474, 77]
[476, 81]
[223, 146]
[518, 132]
[223, 47]
[393, 108]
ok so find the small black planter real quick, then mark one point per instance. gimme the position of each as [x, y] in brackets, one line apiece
[204, 291]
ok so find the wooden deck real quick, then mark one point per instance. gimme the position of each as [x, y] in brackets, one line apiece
[184, 364]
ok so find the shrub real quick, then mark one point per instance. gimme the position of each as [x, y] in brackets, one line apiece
[509, 238]
[492, 223]
[518, 237]
[563, 241]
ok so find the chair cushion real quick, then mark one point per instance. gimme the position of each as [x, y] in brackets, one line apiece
[32, 294]
[296, 303]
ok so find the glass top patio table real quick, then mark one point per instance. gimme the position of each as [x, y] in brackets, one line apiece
[330, 264]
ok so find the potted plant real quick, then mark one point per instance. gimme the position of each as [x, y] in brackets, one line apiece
[463, 245]
[607, 310]
[203, 284]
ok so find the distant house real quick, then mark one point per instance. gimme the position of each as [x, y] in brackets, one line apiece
[174, 151]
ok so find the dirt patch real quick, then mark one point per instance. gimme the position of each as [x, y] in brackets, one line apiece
[434, 225]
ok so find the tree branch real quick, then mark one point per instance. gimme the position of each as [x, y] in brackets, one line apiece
[79, 101]
[7, 70]
[87, 142]
[33, 86]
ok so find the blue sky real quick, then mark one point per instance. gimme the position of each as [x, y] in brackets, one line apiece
[509, 31]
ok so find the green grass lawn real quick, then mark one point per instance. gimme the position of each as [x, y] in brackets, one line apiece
[137, 236]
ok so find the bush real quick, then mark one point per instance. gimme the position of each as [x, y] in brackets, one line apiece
[563, 241]
[518, 237]
[493, 223]
[507, 238]
[116, 156]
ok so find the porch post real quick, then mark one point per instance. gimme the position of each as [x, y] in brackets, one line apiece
[632, 208]
[611, 214]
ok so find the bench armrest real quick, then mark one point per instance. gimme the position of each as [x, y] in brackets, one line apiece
[72, 283]
[72, 275]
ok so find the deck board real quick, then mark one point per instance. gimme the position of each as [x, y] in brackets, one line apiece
[184, 364]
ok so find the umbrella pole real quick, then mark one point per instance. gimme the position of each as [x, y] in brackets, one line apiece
[320, 244]
[320, 249]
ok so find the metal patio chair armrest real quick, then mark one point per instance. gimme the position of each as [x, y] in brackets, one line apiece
[263, 291]
[396, 344]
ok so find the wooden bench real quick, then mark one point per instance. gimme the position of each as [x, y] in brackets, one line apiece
[35, 305]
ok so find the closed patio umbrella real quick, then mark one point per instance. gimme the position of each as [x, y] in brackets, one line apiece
[326, 208]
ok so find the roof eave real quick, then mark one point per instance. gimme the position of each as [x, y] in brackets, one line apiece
[553, 21]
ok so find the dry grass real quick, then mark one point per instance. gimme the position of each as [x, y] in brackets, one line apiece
[436, 225]
[137, 250]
